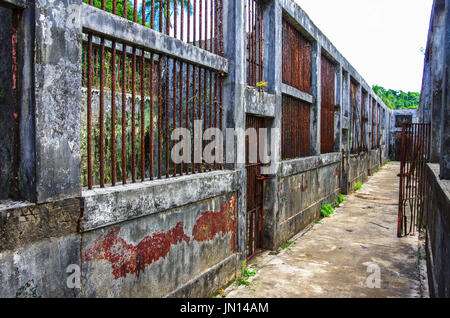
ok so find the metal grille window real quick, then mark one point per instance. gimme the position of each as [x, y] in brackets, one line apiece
[295, 127]
[296, 59]
[327, 105]
[132, 100]
[198, 22]
[363, 121]
[355, 137]
[373, 123]
[255, 40]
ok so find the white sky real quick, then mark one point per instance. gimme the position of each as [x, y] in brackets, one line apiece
[382, 39]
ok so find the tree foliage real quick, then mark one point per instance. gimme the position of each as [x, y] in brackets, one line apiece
[397, 99]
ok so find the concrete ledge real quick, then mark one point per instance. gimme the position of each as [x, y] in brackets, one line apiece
[106, 24]
[207, 283]
[13, 3]
[25, 224]
[296, 166]
[293, 92]
[107, 206]
[259, 103]
[296, 223]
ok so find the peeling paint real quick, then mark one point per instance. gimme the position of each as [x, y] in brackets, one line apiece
[212, 223]
[129, 259]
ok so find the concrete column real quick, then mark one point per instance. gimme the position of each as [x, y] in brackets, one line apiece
[273, 75]
[445, 111]
[233, 102]
[338, 111]
[57, 76]
[437, 77]
[316, 89]
[235, 83]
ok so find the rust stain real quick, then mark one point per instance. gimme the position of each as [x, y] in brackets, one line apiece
[336, 172]
[126, 258]
[212, 223]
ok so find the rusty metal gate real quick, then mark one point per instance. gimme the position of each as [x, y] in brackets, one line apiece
[415, 153]
[254, 190]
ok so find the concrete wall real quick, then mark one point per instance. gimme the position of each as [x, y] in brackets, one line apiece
[438, 232]
[176, 237]
[434, 108]
[399, 117]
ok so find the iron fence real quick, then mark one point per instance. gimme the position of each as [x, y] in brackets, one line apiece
[133, 100]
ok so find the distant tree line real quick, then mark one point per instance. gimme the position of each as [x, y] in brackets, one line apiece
[397, 99]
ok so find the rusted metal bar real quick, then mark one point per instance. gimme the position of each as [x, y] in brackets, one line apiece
[113, 114]
[151, 89]
[133, 116]
[159, 117]
[181, 107]
[175, 105]
[175, 14]
[166, 117]
[124, 114]
[102, 113]
[142, 69]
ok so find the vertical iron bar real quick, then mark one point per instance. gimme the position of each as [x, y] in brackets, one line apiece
[102, 113]
[113, 114]
[124, 113]
[143, 113]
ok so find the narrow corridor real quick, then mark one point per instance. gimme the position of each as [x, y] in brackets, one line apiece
[353, 253]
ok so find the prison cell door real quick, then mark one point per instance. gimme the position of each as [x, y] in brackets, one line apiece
[414, 155]
[254, 190]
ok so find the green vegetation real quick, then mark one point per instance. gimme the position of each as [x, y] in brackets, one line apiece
[246, 274]
[287, 244]
[148, 3]
[317, 222]
[397, 99]
[327, 210]
[358, 186]
[341, 198]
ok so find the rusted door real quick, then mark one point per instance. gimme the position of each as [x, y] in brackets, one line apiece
[415, 153]
[254, 190]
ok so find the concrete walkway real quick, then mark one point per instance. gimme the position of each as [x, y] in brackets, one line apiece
[354, 253]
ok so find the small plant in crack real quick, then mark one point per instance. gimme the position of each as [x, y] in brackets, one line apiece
[287, 245]
[327, 210]
[358, 186]
[246, 274]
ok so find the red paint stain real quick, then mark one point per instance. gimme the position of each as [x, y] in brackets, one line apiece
[336, 172]
[303, 187]
[211, 223]
[129, 259]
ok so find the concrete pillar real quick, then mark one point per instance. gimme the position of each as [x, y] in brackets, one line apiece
[235, 83]
[233, 101]
[316, 89]
[338, 111]
[57, 76]
[437, 72]
[273, 75]
[445, 111]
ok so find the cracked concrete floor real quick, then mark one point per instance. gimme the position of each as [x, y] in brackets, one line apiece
[341, 257]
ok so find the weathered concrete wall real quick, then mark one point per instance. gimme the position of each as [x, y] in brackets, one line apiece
[37, 244]
[6, 107]
[399, 117]
[434, 108]
[438, 232]
[177, 237]
[305, 185]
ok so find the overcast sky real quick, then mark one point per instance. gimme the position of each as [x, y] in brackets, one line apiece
[382, 39]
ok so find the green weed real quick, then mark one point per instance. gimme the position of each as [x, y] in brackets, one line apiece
[327, 210]
[358, 186]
